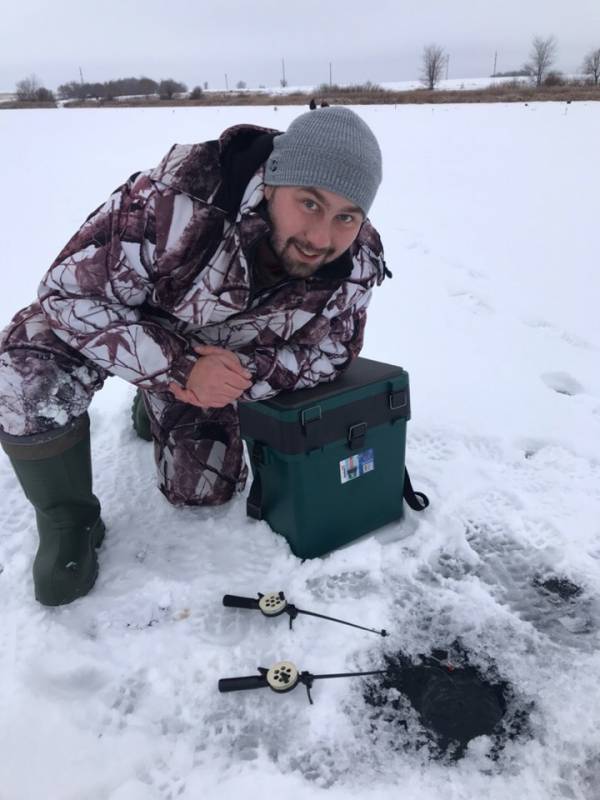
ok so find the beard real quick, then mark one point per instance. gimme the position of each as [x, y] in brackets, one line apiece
[291, 260]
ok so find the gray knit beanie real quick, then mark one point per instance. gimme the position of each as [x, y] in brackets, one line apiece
[331, 148]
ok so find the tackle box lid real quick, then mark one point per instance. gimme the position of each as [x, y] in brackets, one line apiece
[368, 393]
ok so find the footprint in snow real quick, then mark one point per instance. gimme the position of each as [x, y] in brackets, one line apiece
[53, 680]
[562, 383]
[519, 577]
[415, 244]
[471, 301]
[217, 626]
[355, 584]
[571, 338]
[432, 446]
[460, 267]
[121, 702]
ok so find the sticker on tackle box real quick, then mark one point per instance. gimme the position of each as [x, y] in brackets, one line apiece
[357, 465]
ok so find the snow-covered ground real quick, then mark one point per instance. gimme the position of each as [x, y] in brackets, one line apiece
[399, 86]
[489, 218]
[453, 84]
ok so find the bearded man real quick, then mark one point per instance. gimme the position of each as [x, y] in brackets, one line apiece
[234, 270]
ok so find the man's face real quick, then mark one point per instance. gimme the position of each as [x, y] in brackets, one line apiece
[311, 227]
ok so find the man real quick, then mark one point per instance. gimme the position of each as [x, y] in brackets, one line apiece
[234, 270]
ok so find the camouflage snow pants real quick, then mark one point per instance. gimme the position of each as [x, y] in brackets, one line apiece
[45, 385]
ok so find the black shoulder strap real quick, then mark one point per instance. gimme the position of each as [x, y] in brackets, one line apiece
[416, 500]
[254, 502]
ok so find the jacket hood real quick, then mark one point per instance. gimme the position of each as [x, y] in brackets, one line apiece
[219, 170]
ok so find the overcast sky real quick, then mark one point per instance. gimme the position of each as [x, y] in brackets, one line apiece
[201, 40]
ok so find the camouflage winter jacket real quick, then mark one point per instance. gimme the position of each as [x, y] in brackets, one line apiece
[166, 264]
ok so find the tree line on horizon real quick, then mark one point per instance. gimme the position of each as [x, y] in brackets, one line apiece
[30, 89]
[433, 64]
[542, 56]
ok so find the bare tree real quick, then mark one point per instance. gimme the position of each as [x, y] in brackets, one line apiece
[94, 90]
[241, 85]
[434, 62]
[555, 78]
[44, 95]
[591, 65]
[27, 88]
[541, 57]
[73, 89]
[168, 87]
[30, 90]
[144, 86]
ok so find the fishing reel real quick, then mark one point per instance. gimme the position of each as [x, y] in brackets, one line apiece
[272, 604]
[283, 676]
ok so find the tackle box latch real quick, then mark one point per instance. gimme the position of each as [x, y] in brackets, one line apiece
[309, 416]
[398, 399]
[356, 435]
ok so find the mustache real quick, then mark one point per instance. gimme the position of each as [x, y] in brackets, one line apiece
[308, 247]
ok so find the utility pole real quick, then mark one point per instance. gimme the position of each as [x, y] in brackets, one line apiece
[447, 65]
[330, 74]
[283, 80]
[226, 83]
[495, 64]
[81, 75]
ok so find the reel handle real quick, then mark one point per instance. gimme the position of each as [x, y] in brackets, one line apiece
[239, 684]
[233, 601]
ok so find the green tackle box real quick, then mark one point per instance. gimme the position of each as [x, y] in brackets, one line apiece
[328, 462]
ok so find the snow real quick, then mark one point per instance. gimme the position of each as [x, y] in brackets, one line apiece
[451, 84]
[488, 214]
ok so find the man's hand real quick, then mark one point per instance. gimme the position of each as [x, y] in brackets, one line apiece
[216, 379]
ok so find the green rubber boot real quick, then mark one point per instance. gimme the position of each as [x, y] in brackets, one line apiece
[139, 417]
[56, 476]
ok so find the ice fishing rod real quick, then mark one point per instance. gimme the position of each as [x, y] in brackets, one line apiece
[283, 677]
[274, 604]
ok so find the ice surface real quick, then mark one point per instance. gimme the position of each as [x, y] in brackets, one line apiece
[489, 219]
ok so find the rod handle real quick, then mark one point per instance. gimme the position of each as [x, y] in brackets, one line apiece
[239, 684]
[233, 601]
